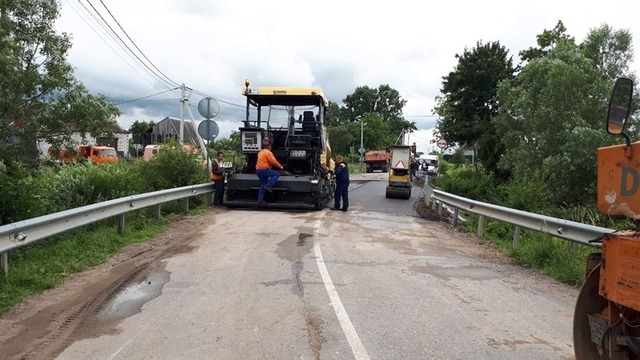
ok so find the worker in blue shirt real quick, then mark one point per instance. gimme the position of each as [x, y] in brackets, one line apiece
[342, 185]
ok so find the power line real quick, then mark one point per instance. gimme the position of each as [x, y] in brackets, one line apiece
[136, 46]
[97, 23]
[105, 29]
[131, 52]
[147, 66]
[145, 97]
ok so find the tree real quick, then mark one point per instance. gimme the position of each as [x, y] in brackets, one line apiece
[376, 132]
[546, 42]
[334, 117]
[138, 128]
[232, 143]
[610, 50]
[39, 97]
[230, 147]
[363, 100]
[468, 102]
[384, 101]
[340, 139]
[550, 120]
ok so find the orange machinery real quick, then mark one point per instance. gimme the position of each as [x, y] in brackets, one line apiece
[606, 322]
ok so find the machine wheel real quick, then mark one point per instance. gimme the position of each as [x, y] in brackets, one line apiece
[589, 302]
[397, 193]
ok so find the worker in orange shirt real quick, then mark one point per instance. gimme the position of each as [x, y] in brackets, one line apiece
[217, 176]
[267, 176]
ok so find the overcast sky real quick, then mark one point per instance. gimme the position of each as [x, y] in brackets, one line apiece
[212, 46]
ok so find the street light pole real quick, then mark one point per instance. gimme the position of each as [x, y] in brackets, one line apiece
[361, 132]
[361, 143]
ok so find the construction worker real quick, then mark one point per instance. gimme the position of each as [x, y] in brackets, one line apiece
[342, 185]
[217, 176]
[413, 168]
[267, 176]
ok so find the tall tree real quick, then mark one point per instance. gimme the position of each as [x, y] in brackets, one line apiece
[363, 100]
[340, 139]
[40, 99]
[385, 101]
[233, 142]
[468, 101]
[334, 117]
[551, 119]
[610, 50]
[546, 42]
[371, 131]
[138, 128]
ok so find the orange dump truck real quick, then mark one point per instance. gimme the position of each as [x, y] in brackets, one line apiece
[97, 154]
[377, 160]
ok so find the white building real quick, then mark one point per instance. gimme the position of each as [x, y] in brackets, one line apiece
[119, 140]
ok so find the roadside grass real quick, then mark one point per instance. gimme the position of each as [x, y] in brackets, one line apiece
[44, 265]
[554, 257]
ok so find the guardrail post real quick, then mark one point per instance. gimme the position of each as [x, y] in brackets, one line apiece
[481, 225]
[209, 199]
[157, 212]
[455, 217]
[440, 205]
[4, 262]
[120, 223]
[516, 237]
[185, 205]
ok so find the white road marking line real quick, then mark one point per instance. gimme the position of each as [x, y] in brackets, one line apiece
[347, 327]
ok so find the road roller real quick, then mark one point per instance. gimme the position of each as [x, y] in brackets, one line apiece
[399, 177]
[606, 322]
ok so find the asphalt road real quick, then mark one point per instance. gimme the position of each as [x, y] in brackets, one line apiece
[378, 282]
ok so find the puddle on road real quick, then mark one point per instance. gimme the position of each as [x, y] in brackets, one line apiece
[129, 301]
[302, 239]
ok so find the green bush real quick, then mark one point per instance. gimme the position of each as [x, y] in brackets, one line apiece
[171, 168]
[21, 197]
[78, 185]
[554, 257]
[52, 188]
[590, 215]
[466, 181]
[529, 193]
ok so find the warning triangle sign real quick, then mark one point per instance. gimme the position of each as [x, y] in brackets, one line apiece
[400, 165]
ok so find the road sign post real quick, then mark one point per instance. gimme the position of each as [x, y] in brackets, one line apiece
[362, 151]
[208, 129]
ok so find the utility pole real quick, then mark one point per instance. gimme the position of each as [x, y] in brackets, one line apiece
[183, 100]
[361, 150]
[361, 134]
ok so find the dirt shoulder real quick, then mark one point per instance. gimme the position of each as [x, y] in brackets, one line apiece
[43, 325]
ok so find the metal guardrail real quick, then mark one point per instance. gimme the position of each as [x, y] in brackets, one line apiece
[569, 230]
[25, 232]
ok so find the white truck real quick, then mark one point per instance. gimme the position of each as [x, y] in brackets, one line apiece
[429, 164]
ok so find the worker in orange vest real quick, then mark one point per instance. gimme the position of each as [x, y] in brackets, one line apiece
[217, 176]
[267, 176]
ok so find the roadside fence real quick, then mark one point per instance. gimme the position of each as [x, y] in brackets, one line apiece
[576, 232]
[28, 231]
